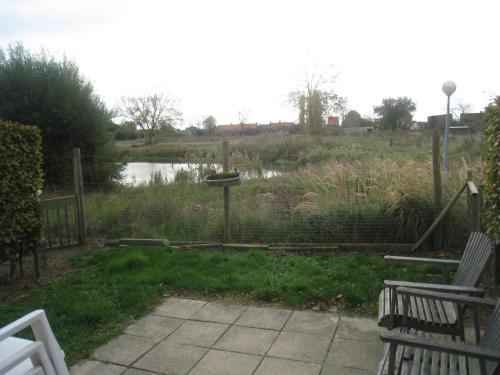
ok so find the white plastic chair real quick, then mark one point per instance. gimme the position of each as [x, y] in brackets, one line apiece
[20, 356]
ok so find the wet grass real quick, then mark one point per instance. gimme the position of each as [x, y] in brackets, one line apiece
[106, 290]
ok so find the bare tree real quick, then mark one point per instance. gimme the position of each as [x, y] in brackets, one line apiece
[243, 114]
[316, 100]
[150, 112]
[210, 124]
[461, 107]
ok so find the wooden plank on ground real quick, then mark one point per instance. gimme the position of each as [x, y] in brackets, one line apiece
[214, 245]
[243, 246]
[143, 242]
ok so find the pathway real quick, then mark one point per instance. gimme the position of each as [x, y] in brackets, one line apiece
[192, 337]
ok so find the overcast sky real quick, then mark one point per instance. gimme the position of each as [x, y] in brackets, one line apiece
[222, 57]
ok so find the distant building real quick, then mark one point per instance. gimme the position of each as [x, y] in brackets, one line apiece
[280, 127]
[235, 129]
[473, 120]
[438, 121]
[332, 124]
[358, 130]
[333, 121]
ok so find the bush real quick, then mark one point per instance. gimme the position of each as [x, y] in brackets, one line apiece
[492, 185]
[53, 95]
[21, 179]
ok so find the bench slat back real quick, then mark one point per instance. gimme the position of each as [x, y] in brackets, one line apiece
[476, 254]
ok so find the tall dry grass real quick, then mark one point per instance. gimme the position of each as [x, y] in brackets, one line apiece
[379, 200]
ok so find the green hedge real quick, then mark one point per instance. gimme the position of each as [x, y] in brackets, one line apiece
[21, 179]
[492, 185]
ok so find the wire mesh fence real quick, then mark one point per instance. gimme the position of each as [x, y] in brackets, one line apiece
[307, 207]
[260, 213]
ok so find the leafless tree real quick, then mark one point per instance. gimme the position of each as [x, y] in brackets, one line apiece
[461, 107]
[316, 99]
[150, 112]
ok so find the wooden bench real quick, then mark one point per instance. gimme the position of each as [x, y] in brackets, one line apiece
[437, 315]
[413, 352]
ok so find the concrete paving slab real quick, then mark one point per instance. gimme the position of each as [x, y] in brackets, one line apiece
[311, 323]
[169, 357]
[124, 350]
[179, 308]
[134, 371]
[358, 329]
[219, 313]
[247, 340]
[355, 353]
[277, 366]
[154, 326]
[263, 317]
[218, 362]
[339, 370]
[301, 347]
[91, 367]
[198, 333]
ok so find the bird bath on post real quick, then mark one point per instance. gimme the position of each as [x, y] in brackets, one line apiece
[225, 179]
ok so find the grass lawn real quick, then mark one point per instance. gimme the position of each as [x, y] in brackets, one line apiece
[107, 289]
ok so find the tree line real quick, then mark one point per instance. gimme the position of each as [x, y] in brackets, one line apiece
[37, 89]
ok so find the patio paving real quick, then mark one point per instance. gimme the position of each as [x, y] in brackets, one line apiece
[192, 337]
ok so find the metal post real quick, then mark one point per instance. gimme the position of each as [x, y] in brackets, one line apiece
[438, 189]
[225, 166]
[446, 130]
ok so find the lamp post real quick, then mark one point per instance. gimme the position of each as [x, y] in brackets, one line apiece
[448, 88]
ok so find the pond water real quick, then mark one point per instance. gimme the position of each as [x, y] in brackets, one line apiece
[138, 173]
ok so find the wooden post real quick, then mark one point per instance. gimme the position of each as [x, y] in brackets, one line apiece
[78, 186]
[473, 203]
[438, 187]
[440, 217]
[225, 166]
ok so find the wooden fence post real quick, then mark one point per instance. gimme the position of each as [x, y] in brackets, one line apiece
[225, 166]
[78, 187]
[438, 187]
[473, 204]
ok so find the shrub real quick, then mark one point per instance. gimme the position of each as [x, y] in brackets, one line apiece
[492, 185]
[21, 179]
[39, 90]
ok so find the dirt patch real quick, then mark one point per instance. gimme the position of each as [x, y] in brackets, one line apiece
[57, 266]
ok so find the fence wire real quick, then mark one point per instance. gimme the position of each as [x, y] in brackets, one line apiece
[266, 210]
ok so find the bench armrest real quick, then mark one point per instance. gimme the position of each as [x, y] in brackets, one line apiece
[449, 297]
[435, 287]
[435, 261]
[440, 346]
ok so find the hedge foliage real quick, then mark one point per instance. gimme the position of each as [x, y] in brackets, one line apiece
[21, 179]
[492, 183]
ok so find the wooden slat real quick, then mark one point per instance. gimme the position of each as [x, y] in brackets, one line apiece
[427, 310]
[443, 318]
[462, 366]
[59, 223]
[434, 312]
[435, 364]
[453, 364]
[426, 366]
[443, 365]
[417, 362]
[66, 225]
[420, 309]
